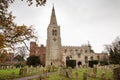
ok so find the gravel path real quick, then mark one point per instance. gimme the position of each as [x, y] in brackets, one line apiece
[35, 76]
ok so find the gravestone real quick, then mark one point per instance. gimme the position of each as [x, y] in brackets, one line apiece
[85, 76]
[37, 69]
[103, 76]
[76, 75]
[69, 72]
[116, 73]
[95, 71]
[25, 71]
[64, 72]
[45, 73]
[21, 71]
[60, 71]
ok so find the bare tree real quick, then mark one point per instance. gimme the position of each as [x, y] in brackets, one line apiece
[22, 51]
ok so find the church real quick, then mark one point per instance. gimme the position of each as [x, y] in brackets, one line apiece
[56, 54]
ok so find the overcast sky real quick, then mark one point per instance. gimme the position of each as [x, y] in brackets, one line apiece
[96, 21]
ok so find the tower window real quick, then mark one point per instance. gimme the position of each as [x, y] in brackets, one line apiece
[65, 50]
[76, 50]
[54, 32]
[79, 55]
[85, 51]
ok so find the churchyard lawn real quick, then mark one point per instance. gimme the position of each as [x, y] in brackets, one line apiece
[102, 73]
[108, 75]
[7, 73]
[11, 73]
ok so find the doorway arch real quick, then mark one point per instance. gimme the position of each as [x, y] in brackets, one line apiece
[79, 63]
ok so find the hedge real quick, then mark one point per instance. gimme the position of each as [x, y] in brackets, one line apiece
[71, 63]
[92, 63]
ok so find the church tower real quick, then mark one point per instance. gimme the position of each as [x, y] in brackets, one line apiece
[53, 46]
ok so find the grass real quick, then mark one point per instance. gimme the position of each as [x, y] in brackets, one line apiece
[11, 73]
[6, 74]
[80, 73]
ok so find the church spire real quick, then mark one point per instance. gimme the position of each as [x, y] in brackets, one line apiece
[53, 17]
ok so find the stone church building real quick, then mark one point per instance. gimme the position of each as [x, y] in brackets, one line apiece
[56, 54]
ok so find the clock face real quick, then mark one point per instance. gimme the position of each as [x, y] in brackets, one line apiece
[54, 39]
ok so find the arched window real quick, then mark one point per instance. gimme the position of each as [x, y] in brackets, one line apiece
[67, 58]
[65, 50]
[86, 59]
[85, 51]
[54, 32]
[98, 57]
[70, 51]
[91, 58]
[76, 51]
[79, 55]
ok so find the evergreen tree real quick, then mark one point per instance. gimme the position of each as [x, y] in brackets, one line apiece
[114, 51]
[33, 60]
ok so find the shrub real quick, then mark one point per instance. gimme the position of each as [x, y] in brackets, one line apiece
[71, 63]
[33, 60]
[102, 63]
[92, 63]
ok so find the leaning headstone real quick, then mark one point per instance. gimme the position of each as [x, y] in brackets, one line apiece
[76, 68]
[116, 73]
[89, 71]
[85, 76]
[37, 69]
[76, 75]
[64, 72]
[21, 72]
[66, 75]
[28, 70]
[103, 76]
[25, 72]
[2, 67]
[103, 70]
[69, 72]
[95, 71]
[40, 77]
[44, 71]
[60, 71]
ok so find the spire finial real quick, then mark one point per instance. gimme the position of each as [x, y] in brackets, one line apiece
[53, 17]
[53, 7]
[53, 4]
